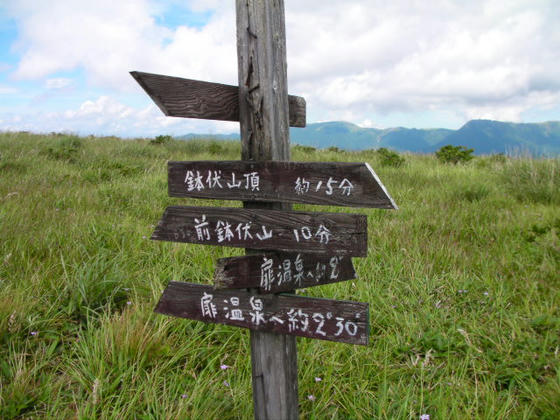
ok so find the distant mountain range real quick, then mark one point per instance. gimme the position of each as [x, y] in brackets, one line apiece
[484, 136]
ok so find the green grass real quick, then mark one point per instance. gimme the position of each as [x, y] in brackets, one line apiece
[463, 285]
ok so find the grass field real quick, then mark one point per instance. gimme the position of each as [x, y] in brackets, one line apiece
[463, 283]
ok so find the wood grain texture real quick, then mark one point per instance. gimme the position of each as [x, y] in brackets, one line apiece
[281, 272]
[264, 124]
[262, 76]
[324, 183]
[287, 231]
[324, 319]
[178, 97]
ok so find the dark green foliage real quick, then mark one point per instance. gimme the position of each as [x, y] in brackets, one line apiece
[65, 149]
[454, 154]
[215, 148]
[162, 139]
[389, 158]
[304, 149]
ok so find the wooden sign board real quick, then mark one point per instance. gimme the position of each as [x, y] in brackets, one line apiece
[281, 272]
[326, 183]
[289, 231]
[325, 319]
[177, 97]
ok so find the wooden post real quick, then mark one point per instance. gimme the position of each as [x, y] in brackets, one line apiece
[264, 123]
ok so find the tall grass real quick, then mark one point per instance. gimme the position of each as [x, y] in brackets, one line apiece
[462, 282]
[534, 180]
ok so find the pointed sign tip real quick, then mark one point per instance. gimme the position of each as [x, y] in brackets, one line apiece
[392, 202]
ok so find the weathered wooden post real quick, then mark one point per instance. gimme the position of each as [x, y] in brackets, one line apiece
[265, 135]
[297, 249]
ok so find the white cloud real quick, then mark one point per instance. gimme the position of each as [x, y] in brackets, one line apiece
[357, 59]
[376, 57]
[58, 83]
[107, 116]
[7, 90]
[110, 38]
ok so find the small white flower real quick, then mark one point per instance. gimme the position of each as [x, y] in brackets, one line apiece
[224, 367]
[425, 417]
[312, 398]
[317, 379]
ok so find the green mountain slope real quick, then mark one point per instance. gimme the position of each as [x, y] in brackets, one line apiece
[484, 136]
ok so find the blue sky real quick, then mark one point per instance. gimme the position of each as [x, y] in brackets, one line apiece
[64, 63]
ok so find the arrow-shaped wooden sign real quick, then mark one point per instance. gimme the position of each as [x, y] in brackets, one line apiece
[281, 272]
[326, 183]
[288, 231]
[178, 97]
[325, 319]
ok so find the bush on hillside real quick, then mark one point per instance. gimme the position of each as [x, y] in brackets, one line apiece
[335, 149]
[454, 154]
[65, 149]
[161, 139]
[389, 157]
[304, 149]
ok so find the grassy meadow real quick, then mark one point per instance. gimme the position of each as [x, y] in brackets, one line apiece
[463, 283]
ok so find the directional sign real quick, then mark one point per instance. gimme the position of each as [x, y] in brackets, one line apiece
[281, 272]
[327, 183]
[178, 97]
[328, 233]
[325, 319]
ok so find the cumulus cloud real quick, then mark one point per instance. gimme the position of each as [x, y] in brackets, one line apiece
[109, 38]
[107, 116]
[384, 58]
[356, 60]
[7, 90]
[58, 83]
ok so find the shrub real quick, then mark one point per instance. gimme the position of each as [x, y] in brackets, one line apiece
[389, 157]
[161, 139]
[65, 149]
[454, 154]
[215, 148]
[304, 149]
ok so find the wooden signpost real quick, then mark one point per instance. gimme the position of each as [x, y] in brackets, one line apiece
[331, 233]
[324, 319]
[177, 97]
[281, 272]
[327, 183]
[286, 250]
